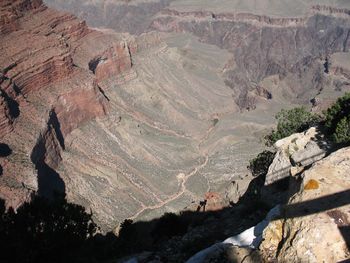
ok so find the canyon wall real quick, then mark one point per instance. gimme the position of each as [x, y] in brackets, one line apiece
[44, 95]
[132, 16]
[136, 126]
[293, 49]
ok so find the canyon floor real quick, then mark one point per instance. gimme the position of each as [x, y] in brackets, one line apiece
[157, 103]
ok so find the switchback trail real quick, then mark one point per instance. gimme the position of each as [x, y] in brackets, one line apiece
[184, 178]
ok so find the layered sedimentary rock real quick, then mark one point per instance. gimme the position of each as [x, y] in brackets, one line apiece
[44, 96]
[171, 113]
[297, 65]
[123, 16]
[112, 63]
[291, 41]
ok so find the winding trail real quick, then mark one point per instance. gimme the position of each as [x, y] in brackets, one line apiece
[175, 196]
[185, 178]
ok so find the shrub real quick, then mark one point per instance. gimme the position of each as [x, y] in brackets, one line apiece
[291, 121]
[337, 120]
[342, 131]
[260, 164]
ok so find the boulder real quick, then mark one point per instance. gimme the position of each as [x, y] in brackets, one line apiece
[308, 155]
[297, 150]
[315, 224]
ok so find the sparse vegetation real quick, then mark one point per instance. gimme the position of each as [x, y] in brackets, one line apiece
[337, 120]
[342, 131]
[291, 121]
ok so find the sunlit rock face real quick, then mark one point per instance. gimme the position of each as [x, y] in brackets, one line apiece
[43, 95]
[135, 124]
[315, 224]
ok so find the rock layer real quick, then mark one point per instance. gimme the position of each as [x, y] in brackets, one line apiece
[151, 123]
[43, 95]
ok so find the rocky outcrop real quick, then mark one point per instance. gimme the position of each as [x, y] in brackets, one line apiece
[6, 116]
[79, 106]
[9, 107]
[12, 10]
[112, 63]
[50, 144]
[45, 53]
[296, 152]
[314, 226]
[247, 17]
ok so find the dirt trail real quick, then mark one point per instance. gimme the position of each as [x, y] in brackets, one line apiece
[175, 196]
[184, 178]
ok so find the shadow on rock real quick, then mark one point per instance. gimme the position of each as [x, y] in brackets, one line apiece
[5, 150]
[49, 182]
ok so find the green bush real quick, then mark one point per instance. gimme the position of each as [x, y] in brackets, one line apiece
[291, 121]
[260, 164]
[342, 131]
[337, 120]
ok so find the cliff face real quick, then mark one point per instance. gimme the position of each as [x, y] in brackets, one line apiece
[9, 107]
[251, 38]
[287, 41]
[123, 16]
[112, 63]
[44, 96]
[12, 10]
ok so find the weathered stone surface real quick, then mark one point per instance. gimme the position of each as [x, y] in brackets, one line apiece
[310, 154]
[313, 226]
[297, 150]
[12, 10]
[272, 236]
[5, 116]
[112, 63]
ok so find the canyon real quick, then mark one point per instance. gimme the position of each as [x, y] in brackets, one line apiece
[153, 106]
